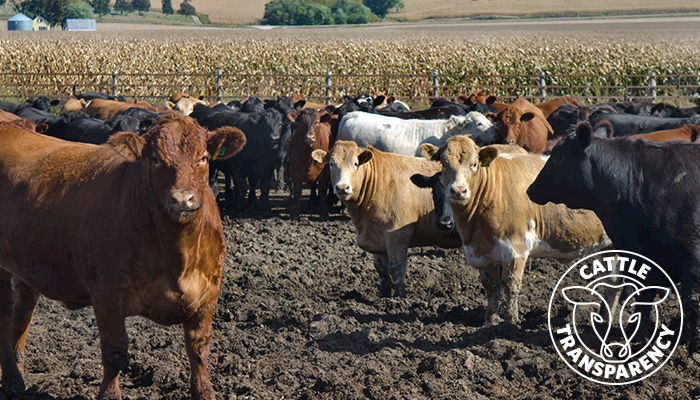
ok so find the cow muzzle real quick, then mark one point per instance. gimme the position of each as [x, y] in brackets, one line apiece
[182, 204]
[459, 194]
[342, 190]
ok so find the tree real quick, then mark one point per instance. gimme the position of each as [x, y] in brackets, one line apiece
[77, 10]
[123, 6]
[167, 7]
[141, 5]
[186, 8]
[52, 10]
[382, 7]
[100, 7]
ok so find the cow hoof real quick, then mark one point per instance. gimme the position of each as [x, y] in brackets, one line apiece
[493, 321]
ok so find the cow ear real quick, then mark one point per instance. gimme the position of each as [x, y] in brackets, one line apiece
[379, 100]
[580, 295]
[430, 151]
[390, 99]
[325, 118]
[299, 105]
[201, 97]
[364, 157]
[490, 100]
[424, 181]
[584, 133]
[526, 117]
[604, 130]
[319, 156]
[487, 155]
[225, 142]
[170, 105]
[331, 109]
[491, 116]
[292, 116]
[128, 144]
[42, 128]
[55, 102]
[652, 292]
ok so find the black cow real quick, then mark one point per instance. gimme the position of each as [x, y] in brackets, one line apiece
[94, 95]
[444, 112]
[253, 105]
[565, 118]
[43, 103]
[625, 124]
[483, 108]
[96, 131]
[255, 164]
[46, 122]
[644, 193]
[9, 107]
[665, 110]
[443, 211]
[642, 108]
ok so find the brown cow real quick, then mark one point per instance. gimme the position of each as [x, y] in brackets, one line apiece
[548, 107]
[130, 227]
[390, 214]
[17, 121]
[475, 98]
[684, 133]
[312, 131]
[108, 109]
[498, 224]
[523, 124]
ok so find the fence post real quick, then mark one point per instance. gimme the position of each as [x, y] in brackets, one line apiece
[217, 85]
[329, 86]
[651, 92]
[436, 83]
[115, 82]
[542, 86]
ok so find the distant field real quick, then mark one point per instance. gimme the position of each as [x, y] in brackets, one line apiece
[250, 11]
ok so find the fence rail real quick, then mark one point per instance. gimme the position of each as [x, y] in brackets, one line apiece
[330, 88]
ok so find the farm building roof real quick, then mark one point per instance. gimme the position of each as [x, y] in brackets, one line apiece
[81, 24]
[19, 17]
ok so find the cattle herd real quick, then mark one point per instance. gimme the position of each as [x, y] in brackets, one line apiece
[502, 181]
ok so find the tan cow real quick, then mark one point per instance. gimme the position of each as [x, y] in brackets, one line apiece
[130, 228]
[498, 224]
[548, 107]
[73, 105]
[185, 104]
[108, 109]
[390, 214]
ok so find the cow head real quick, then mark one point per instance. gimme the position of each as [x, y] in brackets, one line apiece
[43, 103]
[509, 124]
[307, 122]
[615, 329]
[175, 154]
[567, 178]
[346, 160]
[461, 160]
[443, 210]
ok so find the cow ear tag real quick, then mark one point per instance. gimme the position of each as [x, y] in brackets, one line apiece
[223, 151]
[486, 161]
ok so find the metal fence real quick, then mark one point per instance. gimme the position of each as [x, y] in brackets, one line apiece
[329, 88]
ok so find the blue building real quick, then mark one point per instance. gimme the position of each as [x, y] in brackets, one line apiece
[20, 22]
[81, 25]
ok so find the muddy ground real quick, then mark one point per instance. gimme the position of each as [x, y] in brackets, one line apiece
[299, 318]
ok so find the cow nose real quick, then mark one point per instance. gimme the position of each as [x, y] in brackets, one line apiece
[511, 141]
[343, 188]
[458, 191]
[446, 224]
[184, 200]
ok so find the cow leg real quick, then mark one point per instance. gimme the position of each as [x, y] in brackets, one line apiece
[490, 279]
[24, 303]
[397, 246]
[324, 183]
[114, 343]
[197, 343]
[512, 282]
[381, 263]
[296, 199]
[240, 190]
[252, 186]
[265, 184]
[690, 296]
[11, 376]
[313, 195]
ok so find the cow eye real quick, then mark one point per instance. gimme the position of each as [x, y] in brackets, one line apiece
[357, 165]
[204, 159]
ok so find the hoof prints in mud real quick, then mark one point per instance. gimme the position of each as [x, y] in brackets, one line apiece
[299, 317]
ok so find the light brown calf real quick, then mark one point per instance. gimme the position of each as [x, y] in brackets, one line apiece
[498, 224]
[390, 214]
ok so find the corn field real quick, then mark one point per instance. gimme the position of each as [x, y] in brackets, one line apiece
[263, 66]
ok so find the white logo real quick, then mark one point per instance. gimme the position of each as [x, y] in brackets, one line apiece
[624, 325]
